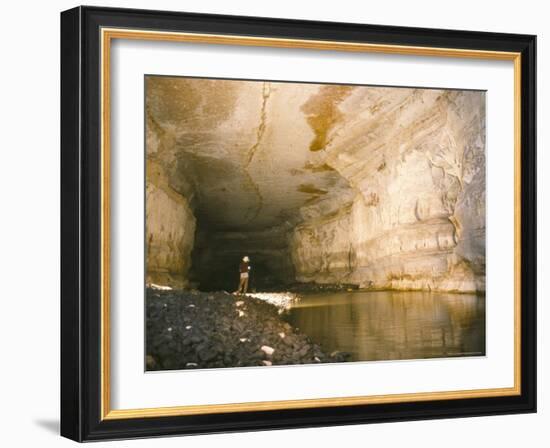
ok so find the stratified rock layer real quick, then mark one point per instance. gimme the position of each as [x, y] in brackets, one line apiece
[371, 186]
[416, 161]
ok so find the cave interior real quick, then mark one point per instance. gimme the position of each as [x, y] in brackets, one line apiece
[372, 186]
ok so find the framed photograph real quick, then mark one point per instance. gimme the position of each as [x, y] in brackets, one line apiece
[272, 223]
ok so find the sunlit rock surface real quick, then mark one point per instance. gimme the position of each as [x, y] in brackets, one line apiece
[379, 187]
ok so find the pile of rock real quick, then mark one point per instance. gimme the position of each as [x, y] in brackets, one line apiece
[192, 329]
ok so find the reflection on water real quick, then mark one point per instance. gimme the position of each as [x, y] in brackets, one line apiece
[393, 325]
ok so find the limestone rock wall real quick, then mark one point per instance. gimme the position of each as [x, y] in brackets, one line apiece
[322, 249]
[417, 220]
[170, 229]
[169, 219]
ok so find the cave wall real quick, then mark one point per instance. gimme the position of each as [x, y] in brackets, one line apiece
[322, 249]
[170, 229]
[418, 218]
[169, 219]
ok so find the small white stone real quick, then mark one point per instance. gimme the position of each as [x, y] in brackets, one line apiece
[243, 339]
[161, 287]
[282, 335]
[191, 306]
[169, 328]
[267, 363]
[316, 359]
[239, 303]
[267, 350]
[189, 327]
[241, 313]
[191, 364]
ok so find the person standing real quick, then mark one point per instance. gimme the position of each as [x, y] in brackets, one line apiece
[244, 271]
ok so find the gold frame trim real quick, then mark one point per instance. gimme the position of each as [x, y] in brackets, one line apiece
[107, 35]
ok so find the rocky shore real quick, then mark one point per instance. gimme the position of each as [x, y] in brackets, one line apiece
[194, 330]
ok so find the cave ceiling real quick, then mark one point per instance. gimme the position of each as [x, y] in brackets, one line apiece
[251, 155]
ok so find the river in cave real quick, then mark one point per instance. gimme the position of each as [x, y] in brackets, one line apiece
[384, 325]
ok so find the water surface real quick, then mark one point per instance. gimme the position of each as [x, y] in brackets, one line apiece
[384, 325]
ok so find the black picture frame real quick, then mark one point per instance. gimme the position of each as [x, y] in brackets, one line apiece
[81, 224]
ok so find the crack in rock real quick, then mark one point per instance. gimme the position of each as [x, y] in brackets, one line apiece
[266, 91]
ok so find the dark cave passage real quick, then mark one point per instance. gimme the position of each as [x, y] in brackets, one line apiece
[217, 254]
